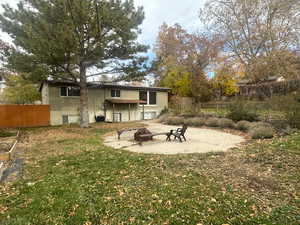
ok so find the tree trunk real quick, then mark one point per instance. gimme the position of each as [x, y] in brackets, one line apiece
[84, 111]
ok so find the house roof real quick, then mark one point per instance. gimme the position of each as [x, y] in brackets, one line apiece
[125, 101]
[92, 85]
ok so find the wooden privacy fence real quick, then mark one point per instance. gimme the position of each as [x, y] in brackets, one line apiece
[12, 116]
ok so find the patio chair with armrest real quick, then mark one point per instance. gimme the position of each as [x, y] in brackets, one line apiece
[179, 133]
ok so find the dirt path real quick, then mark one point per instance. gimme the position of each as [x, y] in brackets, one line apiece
[198, 141]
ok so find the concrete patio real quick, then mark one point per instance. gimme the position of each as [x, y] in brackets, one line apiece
[198, 141]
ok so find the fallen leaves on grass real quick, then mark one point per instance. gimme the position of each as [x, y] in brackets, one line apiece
[75, 172]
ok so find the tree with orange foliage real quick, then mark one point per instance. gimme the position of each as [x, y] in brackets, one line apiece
[176, 49]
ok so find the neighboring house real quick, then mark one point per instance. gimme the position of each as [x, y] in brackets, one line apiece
[117, 103]
[267, 80]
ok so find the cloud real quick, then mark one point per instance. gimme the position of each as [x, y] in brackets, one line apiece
[12, 3]
[184, 12]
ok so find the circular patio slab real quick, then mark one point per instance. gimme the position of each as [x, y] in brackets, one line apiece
[198, 141]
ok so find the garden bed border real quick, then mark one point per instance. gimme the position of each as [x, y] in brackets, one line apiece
[6, 156]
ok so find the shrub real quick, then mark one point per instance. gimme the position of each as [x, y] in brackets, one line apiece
[196, 121]
[163, 118]
[226, 123]
[167, 120]
[243, 125]
[241, 111]
[212, 122]
[282, 127]
[280, 124]
[261, 132]
[175, 120]
[260, 124]
[164, 112]
[290, 106]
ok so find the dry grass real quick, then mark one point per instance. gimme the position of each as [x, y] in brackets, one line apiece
[50, 139]
[260, 170]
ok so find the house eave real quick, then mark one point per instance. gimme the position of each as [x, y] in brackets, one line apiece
[106, 86]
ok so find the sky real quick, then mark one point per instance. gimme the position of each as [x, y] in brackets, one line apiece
[184, 12]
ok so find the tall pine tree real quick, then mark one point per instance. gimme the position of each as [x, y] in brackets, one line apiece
[63, 39]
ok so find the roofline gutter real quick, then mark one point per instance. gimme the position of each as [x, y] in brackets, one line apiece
[106, 86]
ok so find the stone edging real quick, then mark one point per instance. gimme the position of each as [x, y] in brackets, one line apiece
[6, 156]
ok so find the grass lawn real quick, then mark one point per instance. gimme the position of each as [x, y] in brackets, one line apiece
[71, 178]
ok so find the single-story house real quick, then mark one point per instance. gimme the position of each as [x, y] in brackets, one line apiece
[114, 102]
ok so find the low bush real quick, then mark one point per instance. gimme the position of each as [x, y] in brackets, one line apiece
[167, 120]
[226, 123]
[262, 132]
[174, 120]
[165, 111]
[282, 127]
[212, 122]
[163, 118]
[243, 125]
[196, 122]
[260, 124]
[241, 111]
[280, 124]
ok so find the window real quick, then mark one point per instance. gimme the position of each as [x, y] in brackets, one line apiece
[69, 91]
[65, 119]
[73, 91]
[152, 98]
[115, 93]
[149, 97]
[143, 97]
[63, 91]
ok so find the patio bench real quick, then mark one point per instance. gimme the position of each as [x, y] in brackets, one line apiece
[119, 132]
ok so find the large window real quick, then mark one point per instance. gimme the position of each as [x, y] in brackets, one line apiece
[143, 97]
[69, 91]
[152, 98]
[115, 93]
[149, 97]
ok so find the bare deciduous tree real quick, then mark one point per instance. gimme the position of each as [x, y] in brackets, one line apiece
[254, 28]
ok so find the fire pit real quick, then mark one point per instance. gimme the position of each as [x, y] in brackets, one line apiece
[142, 131]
